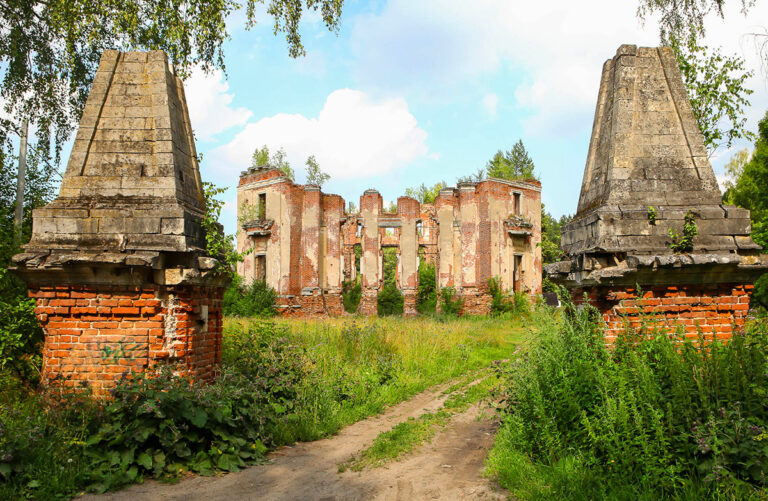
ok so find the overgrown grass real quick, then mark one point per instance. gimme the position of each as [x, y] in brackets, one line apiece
[360, 367]
[281, 381]
[653, 417]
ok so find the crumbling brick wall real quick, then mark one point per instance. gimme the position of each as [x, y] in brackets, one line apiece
[711, 310]
[96, 335]
[471, 234]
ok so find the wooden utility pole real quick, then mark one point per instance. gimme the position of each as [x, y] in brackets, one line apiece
[20, 183]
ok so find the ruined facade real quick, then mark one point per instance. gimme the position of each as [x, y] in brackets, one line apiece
[647, 169]
[303, 243]
[117, 262]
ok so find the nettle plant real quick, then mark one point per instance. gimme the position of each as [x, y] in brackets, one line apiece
[690, 231]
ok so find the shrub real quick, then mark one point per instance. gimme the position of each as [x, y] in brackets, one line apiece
[760, 292]
[450, 302]
[21, 336]
[159, 424]
[254, 300]
[351, 293]
[653, 416]
[390, 300]
[502, 302]
[426, 297]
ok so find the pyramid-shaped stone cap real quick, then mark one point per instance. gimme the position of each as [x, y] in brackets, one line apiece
[647, 151]
[646, 146]
[132, 191]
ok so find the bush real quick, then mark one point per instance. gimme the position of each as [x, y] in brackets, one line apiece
[760, 292]
[390, 300]
[21, 337]
[254, 300]
[351, 293]
[502, 302]
[655, 416]
[450, 302]
[426, 297]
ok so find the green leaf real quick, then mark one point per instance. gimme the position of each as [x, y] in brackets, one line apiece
[144, 460]
[196, 416]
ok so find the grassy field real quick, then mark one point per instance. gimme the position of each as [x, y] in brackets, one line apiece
[281, 381]
[359, 366]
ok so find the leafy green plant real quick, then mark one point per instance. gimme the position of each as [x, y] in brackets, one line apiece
[760, 292]
[426, 297]
[159, 424]
[690, 231]
[502, 302]
[351, 293]
[390, 300]
[652, 214]
[653, 416]
[254, 300]
[450, 302]
[217, 244]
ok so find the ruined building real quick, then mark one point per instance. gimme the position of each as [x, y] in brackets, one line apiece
[302, 242]
[646, 171]
[117, 262]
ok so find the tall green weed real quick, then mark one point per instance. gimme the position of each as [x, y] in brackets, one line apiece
[655, 415]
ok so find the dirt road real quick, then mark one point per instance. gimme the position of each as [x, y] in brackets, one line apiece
[450, 467]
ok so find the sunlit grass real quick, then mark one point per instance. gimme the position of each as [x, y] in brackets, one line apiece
[361, 365]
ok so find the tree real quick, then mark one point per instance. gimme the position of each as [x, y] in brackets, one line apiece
[424, 194]
[733, 171]
[750, 189]
[514, 164]
[20, 332]
[478, 176]
[351, 207]
[550, 236]
[715, 85]
[50, 49]
[278, 160]
[314, 174]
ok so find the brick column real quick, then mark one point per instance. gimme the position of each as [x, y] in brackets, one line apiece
[332, 275]
[370, 263]
[311, 300]
[408, 209]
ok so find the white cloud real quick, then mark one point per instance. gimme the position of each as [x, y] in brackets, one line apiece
[431, 46]
[353, 136]
[210, 109]
[490, 102]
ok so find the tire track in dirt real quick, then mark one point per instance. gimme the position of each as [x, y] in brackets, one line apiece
[450, 467]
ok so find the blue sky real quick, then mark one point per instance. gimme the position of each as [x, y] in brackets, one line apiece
[423, 91]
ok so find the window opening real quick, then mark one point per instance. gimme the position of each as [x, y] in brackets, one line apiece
[262, 205]
[261, 269]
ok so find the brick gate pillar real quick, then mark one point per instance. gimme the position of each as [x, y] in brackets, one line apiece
[647, 173]
[117, 262]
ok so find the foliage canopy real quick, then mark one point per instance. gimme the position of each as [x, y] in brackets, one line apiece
[50, 49]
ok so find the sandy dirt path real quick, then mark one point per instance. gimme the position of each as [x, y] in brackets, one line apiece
[449, 467]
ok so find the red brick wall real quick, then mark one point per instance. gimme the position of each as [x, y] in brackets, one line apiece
[95, 334]
[712, 309]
